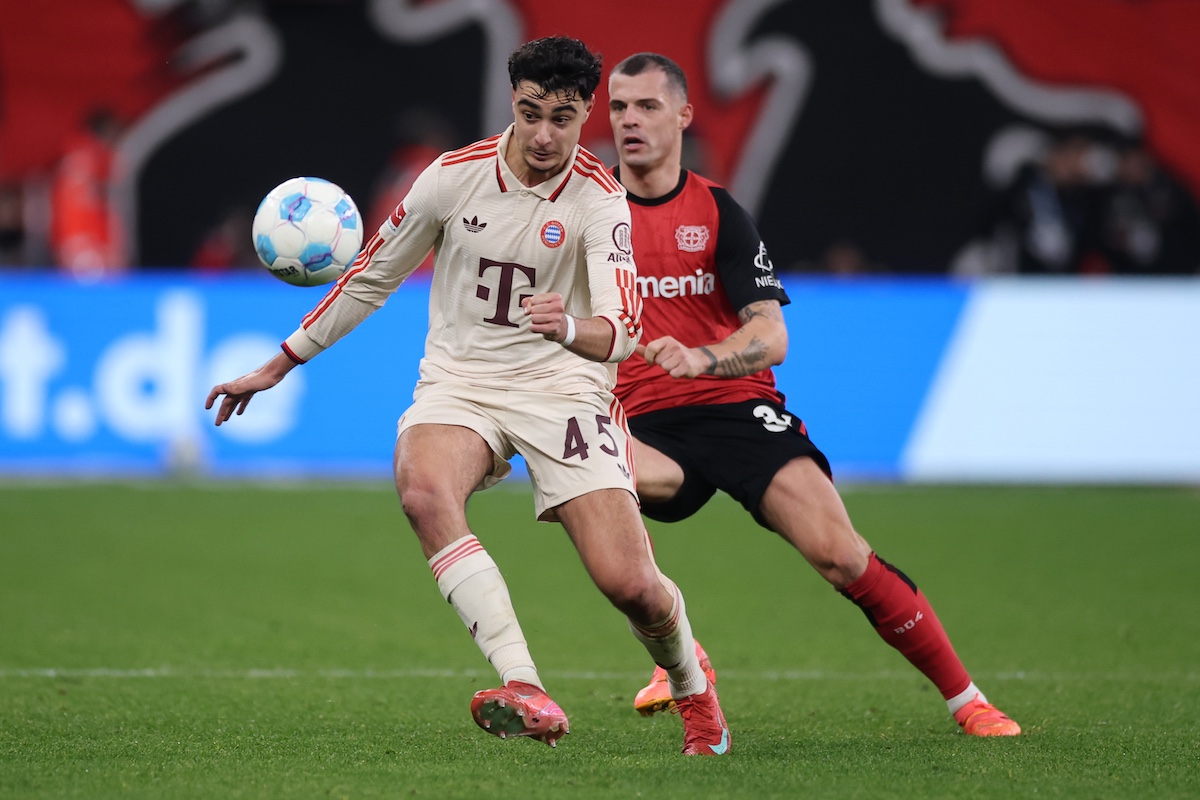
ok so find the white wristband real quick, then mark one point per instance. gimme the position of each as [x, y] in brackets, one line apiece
[570, 337]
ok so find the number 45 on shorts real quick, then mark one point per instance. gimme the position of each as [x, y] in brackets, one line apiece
[575, 444]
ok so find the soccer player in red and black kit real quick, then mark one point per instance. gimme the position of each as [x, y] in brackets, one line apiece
[701, 397]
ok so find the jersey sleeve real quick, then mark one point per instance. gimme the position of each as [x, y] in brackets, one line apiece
[391, 255]
[612, 274]
[746, 271]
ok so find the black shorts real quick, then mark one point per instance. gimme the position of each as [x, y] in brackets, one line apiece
[734, 447]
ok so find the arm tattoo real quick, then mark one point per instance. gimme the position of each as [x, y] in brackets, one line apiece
[739, 364]
[753, 357]
[767, 309]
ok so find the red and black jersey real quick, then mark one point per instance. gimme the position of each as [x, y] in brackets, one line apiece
[700, 260]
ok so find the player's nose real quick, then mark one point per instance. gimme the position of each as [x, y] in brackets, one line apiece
[543, 133]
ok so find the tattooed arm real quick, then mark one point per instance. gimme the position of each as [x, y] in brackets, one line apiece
[760, 343]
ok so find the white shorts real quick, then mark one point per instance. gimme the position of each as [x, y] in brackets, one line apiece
[572, 444]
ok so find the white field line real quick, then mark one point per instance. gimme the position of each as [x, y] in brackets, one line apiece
[403, 674]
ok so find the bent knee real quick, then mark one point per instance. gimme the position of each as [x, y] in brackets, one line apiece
[640, 599]
[842, 564]
[423, 502]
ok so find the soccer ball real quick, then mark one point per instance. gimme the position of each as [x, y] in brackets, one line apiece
[307, 231]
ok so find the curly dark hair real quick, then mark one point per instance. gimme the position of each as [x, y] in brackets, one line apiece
[558, 64]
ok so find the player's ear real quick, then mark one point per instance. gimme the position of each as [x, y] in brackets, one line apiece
[685, 116]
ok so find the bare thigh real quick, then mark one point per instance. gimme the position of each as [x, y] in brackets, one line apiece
[611, 539]
[803, 506]
[658, 476]
[437, 468]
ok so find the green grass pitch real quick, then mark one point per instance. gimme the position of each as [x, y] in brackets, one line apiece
[177, 640]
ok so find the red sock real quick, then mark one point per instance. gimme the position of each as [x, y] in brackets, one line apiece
[900, 614]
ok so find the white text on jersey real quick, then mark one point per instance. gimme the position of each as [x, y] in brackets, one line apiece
[677, 286]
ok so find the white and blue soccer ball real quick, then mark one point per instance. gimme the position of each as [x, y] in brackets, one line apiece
[307, 231]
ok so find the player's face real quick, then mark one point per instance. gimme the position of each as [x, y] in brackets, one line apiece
[547, 130]
[648, 117]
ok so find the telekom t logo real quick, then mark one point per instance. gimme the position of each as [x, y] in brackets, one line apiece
[505, 290]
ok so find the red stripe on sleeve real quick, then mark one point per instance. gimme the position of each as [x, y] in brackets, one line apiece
[482, 144]
[607, 186]
[287, 351]
[450, 162]
[631, 302]
[589, 166]
[360, 263]
[612, 346]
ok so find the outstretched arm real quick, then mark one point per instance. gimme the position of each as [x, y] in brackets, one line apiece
[759, 344]
[237, 393]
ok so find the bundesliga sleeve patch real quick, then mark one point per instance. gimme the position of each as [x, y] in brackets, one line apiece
[623, 241]
[397, 216]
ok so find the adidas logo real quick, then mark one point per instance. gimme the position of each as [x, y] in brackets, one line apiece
[473, 224]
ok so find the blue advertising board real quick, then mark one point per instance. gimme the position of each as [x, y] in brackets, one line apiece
[113, 377]
[897, 379]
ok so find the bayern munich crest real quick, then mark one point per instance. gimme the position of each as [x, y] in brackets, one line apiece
[553, 233]
[691, 238]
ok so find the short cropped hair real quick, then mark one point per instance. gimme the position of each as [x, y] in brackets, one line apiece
[558, 64]
[638, 63]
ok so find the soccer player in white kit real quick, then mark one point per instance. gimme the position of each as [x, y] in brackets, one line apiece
[532, 303]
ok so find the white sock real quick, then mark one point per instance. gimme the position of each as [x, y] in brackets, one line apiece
[965, 696]
[471, 582]
[672, 647]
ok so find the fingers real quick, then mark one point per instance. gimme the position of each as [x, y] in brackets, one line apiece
[545, 312]
[222, 412]
[670, 355]
[658, 351]
[546, 303]
[673, 365]
[225, 410]
[680, 371]
[650, 351]
[232, 402]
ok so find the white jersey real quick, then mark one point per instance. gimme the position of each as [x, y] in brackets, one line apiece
[496, 242]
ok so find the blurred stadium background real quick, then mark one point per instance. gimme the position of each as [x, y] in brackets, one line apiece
[872, 140]
[910, 162]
